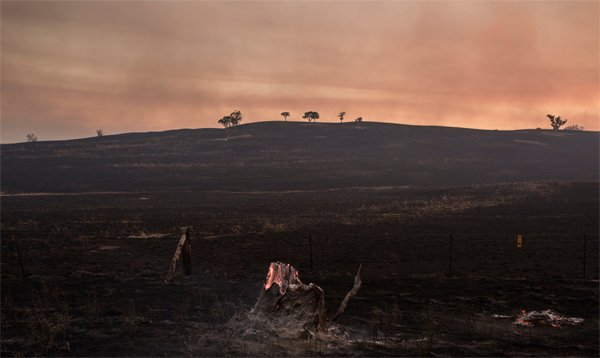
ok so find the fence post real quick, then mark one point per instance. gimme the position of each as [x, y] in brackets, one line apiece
[584, 254]
[450, 253]
[519, 241]
[187, 251]
[18, 248]
[183, 247]
[310, 251]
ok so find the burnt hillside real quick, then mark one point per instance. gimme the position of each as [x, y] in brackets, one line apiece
[299, 156]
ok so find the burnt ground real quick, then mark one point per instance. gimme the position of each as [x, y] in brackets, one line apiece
[299, 156]
[95, 265]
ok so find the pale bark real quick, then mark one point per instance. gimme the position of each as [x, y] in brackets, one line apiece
[349, 295]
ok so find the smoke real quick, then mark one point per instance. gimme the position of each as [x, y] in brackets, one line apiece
[134, 66]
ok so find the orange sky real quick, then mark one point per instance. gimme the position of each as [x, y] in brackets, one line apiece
[69, 68]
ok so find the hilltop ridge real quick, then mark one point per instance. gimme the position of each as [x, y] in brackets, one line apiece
[299, 156]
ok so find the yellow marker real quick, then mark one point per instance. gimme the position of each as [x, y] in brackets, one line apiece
[519, 241]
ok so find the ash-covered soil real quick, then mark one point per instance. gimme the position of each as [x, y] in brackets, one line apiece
[299, 156]
[437, 266]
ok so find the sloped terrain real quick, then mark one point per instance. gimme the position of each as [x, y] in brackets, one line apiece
[88, 229]
[299, 156]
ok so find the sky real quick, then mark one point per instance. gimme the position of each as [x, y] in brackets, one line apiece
[69, 68]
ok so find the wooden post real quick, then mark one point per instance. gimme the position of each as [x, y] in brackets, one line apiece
[450, 253]
[310, 251]
[18, 248]
[187, 251]
[185, 247]
[584, 254]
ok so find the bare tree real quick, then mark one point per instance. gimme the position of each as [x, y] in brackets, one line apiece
[31, 138]
[556, 122]
[99, 132]
[341, 115]
[285, 115]
[312, 116]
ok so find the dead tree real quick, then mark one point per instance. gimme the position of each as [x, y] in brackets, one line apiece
[349, 295]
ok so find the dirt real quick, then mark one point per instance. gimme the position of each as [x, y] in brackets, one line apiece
[442, 274]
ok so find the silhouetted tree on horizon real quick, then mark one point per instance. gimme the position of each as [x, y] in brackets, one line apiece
[341, 115]
[312, 116]
[236, 117]
[231, 120]
[31, 138]
[556, 122]
[99, 132]
[358, 120]
[225, 121]
[285, 115]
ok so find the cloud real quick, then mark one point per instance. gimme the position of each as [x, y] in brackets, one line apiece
[134, 66]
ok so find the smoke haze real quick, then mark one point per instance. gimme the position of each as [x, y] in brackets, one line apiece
[69, 68]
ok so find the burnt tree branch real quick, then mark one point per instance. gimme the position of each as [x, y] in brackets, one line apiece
[349, 295]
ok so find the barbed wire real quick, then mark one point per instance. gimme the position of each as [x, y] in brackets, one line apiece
[305, 232]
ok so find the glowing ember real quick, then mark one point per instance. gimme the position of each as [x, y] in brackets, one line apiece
[284, 275]
[521, 319]
[547, 317]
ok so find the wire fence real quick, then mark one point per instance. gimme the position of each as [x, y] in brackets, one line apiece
[522, 255]
[453, 255]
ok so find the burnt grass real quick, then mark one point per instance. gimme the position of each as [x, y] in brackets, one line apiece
[431, 213]
[299, 156]
[95, 266]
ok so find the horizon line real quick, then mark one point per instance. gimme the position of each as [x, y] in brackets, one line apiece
[351, 122]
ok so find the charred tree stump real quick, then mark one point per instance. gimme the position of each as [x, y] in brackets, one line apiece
[286, 302]
[284, 296]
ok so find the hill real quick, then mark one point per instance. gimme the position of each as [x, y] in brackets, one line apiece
[299, 156]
